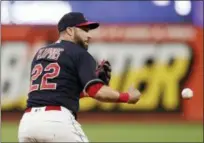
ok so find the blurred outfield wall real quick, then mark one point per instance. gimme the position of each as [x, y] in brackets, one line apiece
[159, 59]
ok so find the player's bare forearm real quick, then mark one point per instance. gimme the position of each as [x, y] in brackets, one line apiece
[107, 94]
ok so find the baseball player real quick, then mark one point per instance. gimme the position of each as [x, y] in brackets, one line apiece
[61, 74]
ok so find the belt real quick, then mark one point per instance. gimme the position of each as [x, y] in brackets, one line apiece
[47, 108]
[51, 108]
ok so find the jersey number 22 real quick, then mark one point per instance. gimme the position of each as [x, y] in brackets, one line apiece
[37, 71]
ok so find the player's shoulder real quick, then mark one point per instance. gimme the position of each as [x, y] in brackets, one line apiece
[72, 48]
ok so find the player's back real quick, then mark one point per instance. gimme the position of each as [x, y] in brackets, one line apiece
[54, 78]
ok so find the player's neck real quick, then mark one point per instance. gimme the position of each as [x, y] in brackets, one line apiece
[66, 39]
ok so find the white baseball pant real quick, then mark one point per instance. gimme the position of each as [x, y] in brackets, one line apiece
[39, 125]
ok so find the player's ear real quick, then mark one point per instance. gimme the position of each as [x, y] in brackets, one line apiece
[69, 31]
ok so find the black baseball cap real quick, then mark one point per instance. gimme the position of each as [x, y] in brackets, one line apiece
[75, 19]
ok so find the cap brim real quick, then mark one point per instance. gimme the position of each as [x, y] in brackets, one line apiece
[91, 25]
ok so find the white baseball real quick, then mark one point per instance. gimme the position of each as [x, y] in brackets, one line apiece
[187, 93]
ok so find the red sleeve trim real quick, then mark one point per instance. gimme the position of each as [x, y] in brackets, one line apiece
[93, 89]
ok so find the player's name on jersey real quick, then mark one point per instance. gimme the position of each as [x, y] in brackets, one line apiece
[49, 53]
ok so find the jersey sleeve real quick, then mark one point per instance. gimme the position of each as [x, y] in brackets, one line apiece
[86, 67]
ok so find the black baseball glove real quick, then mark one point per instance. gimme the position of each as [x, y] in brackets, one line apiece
[103, 71]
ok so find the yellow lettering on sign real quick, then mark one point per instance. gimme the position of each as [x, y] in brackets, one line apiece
[171, 76]
[161, 79]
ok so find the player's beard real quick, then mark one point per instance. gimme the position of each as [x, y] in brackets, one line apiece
[81, 42]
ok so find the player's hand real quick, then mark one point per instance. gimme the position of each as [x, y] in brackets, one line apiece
[103, 71]
[134, 95]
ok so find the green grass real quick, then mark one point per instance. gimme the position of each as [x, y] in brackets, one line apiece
[127, 132]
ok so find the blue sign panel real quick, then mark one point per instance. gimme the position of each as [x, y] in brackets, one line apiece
[129, 12]
[198, 13]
